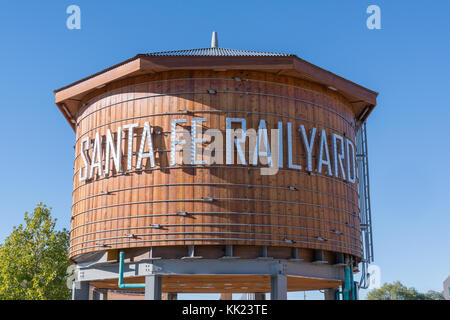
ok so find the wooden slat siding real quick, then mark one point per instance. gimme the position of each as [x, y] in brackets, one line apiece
[158, 193]
[221, 102]
[163, 192]
[93, 188]
[197, 206]
[140, 178]
[257, 104]
[135, 109]
[159, 143]
[200, 100]
[118, 181]
[340, 190]
[283, 180]
[346, 129]
[116, 184]
[99, 186]
[229, 103]
[316, 183]
[237, 173]
[216, 121]
[190, 193]
[149, 178]
[140, 108]
[297, 109]
[167, 105]
[178, 177]
[182, 176]
[210, 102]
[127, 112]
[105, 117]
[246, 175]
[216, 101]
[253, 103]
[268, 104]
[265, 104]
[293, 109]
[123, 179]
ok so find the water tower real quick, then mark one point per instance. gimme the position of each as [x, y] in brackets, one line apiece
[145, 221]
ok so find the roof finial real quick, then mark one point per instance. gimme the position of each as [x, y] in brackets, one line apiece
[214, 40]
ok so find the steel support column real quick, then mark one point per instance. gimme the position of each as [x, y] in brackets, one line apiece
[278, 287]
[80, 290]
[153, 287]
[330, 294]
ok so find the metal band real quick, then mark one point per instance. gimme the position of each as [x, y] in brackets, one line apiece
[226, 91]
[216, 199]
[174, 225]
[220, 166]
[214, 184]
[108, 93]
[216, 213]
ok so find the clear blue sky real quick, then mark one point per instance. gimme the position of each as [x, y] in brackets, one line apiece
[407, 62]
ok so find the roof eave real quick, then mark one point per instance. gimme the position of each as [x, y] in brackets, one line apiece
[70, 96]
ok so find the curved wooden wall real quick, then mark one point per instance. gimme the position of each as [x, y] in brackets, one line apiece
[250, 209]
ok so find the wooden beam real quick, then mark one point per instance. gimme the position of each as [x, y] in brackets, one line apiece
[224, 284]
[346, 87]
[79, 89]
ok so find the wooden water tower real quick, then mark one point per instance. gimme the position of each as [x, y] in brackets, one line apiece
[144, 223]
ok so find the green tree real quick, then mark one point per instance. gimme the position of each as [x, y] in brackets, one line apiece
[398, 291]
[33, 259]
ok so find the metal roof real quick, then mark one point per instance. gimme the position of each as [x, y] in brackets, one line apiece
[218, 52]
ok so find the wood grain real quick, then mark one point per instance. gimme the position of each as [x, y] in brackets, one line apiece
[251, 209]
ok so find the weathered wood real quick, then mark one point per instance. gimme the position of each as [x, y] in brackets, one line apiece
[223, 284]
[250, 208]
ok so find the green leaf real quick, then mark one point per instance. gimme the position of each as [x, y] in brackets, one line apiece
[33, 259]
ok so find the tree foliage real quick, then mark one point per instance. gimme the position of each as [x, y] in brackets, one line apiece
[398, 291]
[33, 259]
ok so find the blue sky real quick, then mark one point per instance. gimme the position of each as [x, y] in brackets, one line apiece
[406, 61]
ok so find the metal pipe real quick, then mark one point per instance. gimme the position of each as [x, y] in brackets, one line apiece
[352, 283]
[347, 288]
[122, 285]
